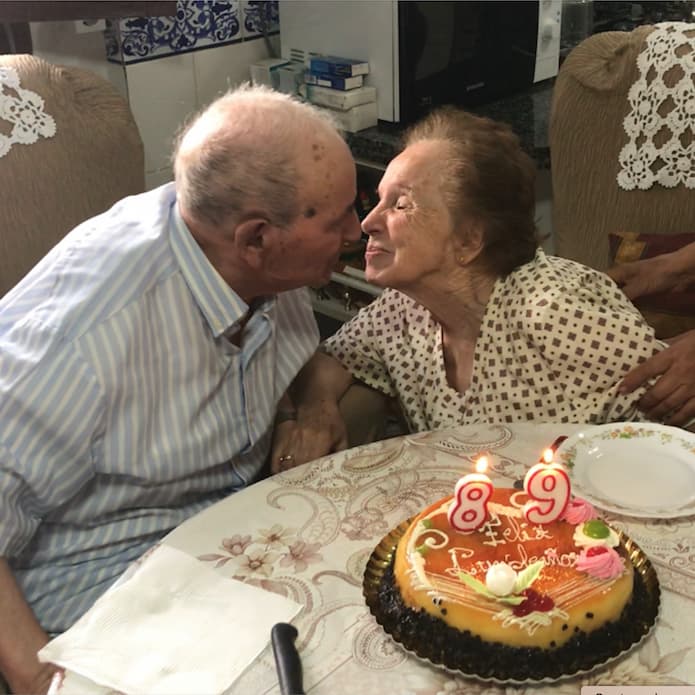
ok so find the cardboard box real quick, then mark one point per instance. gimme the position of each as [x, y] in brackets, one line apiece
[341, 67]
[332, 81]
[291, 78]
[265, 71]
[357, 118]
[339, 99]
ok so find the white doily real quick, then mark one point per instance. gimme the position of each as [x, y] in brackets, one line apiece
[661, 123]
[23, 109]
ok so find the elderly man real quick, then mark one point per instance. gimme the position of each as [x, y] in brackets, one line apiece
[142, 362]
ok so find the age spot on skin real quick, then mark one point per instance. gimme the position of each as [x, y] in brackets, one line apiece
[318, 150]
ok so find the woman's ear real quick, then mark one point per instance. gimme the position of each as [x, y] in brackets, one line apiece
[470, 248]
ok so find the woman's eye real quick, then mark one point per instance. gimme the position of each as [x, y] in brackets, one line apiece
[401, 204]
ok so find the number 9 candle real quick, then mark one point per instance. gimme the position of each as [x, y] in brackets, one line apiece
[548, 487]
[469, 511]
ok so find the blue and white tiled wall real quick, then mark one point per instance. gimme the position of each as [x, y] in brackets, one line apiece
[176, 65]
[198, 24]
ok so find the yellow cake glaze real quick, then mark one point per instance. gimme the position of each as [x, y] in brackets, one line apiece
[431, 554]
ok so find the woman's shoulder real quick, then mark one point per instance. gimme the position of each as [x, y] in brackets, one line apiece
[552, 295]
[549, 277]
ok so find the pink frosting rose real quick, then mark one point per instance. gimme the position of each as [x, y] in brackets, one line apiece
[578, 511]
[600, 562]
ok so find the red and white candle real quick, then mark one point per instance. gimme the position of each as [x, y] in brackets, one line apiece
[548, 488]
[468, 511]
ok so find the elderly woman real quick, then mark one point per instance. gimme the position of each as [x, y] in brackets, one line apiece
[477, 323]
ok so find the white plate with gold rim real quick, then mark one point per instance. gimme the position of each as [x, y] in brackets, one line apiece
[634, 468]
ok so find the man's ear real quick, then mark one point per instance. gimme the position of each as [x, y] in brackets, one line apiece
[252, 237]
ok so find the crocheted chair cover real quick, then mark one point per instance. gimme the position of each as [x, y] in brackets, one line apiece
[69, 149]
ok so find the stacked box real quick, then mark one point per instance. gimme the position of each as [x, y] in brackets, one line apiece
[339, 99]
[335, 72]
[357, 117]
[266, 71]
[337, 83]
[333, 81]
[340, 67]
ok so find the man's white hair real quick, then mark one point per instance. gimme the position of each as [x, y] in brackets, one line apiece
[243, 154]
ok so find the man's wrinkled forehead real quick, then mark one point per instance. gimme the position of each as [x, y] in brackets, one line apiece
[322, 172]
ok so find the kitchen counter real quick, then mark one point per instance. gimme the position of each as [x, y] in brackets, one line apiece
[528, 113]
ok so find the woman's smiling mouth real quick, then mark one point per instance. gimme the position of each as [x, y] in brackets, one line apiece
[373, 251]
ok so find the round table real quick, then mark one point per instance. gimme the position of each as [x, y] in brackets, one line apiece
[308, 533]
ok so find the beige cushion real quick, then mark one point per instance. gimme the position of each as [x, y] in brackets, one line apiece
[46, 188]
[586, 135]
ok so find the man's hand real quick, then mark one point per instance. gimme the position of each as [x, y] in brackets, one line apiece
[672, 398]
[318, 430]
[21, 637]
[39, 683]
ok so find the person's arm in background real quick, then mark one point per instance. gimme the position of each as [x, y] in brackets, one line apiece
[21, 637]
[318, 428]
[673, 271]
[672, 398]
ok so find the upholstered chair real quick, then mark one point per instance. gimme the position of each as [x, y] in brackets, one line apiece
[69, 149]
[613, 109]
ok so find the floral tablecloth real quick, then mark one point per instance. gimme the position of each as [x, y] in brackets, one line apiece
[308, 533]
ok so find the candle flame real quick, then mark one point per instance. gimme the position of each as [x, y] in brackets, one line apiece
[481, 464]
[548, 456]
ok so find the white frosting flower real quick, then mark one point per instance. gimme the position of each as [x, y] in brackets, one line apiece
[500, 579]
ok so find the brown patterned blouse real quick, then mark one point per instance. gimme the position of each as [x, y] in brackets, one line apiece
[555, 341]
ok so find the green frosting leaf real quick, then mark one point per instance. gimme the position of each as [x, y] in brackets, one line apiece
[526, 577]
[427, 523]
[481, 589]
[473, 583]
[596, 529]
[422, 549]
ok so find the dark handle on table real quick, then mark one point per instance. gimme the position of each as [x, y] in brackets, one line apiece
[519, 484]
[287, 662]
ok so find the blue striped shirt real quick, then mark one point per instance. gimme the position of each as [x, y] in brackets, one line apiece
[124, 406]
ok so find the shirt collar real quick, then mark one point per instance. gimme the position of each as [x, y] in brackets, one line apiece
[221, 306]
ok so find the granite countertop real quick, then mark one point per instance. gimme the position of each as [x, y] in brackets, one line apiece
[528, 113]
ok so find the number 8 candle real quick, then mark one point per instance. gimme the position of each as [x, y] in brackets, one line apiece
[548, 487]
[468, 511]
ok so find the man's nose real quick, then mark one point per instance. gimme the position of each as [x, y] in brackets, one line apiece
[353, 231]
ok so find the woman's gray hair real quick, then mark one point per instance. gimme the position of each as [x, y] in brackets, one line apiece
[243, 155]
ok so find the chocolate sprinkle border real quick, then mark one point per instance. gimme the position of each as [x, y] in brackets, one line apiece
[432, 639]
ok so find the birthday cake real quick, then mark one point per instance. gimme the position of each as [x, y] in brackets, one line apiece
[510, 581]
[513, 585]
